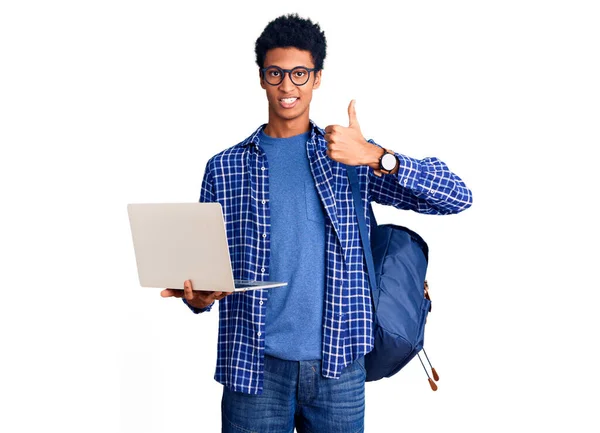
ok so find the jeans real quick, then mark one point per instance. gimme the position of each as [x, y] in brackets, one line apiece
[295, 394]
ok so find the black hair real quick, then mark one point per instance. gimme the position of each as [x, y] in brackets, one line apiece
[292, 31]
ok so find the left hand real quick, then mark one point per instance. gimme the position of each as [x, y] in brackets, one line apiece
[347, 144]
[196, 298]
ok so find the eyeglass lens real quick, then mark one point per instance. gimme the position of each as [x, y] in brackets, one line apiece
[275, 75]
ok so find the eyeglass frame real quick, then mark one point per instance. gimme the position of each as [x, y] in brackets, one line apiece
[289, 72]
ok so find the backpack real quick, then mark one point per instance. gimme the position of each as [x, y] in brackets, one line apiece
[397, 260]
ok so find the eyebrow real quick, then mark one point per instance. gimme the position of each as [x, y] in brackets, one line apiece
[299, 66]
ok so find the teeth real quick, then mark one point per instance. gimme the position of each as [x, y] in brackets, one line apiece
[288, 100]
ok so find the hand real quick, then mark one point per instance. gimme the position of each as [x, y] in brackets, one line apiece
[347, 144]
[197, 299]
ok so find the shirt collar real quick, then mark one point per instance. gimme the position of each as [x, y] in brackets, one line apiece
[254, 139]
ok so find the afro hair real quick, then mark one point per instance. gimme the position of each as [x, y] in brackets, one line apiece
[295, 32]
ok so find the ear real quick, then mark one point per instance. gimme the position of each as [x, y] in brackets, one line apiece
[317, 81]
[262, 82]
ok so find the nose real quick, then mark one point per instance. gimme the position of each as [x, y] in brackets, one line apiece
[287, 84]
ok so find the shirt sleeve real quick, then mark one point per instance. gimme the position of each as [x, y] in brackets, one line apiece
[206, 196]
[422, 185]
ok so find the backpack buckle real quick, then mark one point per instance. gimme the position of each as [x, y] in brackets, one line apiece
[426, 294]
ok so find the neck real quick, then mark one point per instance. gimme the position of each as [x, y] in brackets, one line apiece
[284, 128]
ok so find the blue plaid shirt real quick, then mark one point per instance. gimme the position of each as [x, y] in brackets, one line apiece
[238, 178]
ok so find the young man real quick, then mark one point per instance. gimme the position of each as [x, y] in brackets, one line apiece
[293, 356]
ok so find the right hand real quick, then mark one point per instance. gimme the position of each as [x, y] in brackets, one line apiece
[197, 299]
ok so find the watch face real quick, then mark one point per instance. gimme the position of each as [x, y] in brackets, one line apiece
[388, 162]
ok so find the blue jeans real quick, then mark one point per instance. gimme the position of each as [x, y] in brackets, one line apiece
[295, 394]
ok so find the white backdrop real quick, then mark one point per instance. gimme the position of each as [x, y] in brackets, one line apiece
[106, 103]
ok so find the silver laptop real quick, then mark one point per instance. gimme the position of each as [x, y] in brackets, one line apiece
[174, 242]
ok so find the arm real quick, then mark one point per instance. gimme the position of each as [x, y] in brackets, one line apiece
[425, 186]
[206, 196]
[198, 301]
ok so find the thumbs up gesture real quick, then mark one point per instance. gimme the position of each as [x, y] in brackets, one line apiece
[347, 144]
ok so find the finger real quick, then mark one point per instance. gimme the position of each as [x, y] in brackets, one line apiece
[168, 293]
[187, 290]
[329, 129]
[352, 120]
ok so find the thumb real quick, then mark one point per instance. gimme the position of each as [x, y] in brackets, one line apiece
[352, 120]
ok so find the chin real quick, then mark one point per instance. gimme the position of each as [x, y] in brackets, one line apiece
[290, 114]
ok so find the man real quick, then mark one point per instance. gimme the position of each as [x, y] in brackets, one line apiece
[293, 356]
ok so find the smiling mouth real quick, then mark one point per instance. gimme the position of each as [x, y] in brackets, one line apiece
[288, 102]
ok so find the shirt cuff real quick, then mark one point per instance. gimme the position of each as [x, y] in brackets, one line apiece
[409, 171]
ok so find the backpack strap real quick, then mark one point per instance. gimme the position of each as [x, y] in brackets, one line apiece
[362, 225]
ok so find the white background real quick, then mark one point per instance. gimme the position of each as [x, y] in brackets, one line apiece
[106, 103]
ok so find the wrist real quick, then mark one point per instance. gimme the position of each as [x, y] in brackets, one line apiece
[197, 304]
[373, 156]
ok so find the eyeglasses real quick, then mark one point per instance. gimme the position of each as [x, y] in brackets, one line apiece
[274, 75]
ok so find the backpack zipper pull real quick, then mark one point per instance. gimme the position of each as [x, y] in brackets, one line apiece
[435, 375]
[432, 384]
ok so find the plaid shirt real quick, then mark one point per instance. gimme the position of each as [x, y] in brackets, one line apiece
[238, 178]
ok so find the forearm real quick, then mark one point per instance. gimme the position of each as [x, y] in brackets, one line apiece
[426, 186]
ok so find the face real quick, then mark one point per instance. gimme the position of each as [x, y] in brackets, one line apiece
[286, 100]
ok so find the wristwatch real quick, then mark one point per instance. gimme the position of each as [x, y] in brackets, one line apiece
[388, 162]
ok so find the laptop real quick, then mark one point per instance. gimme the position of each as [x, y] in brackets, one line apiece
[174, 242]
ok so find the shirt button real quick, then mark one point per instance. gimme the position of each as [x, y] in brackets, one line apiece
[262, 168]
[262, 269]
[264, 201]
[260, 303]
[264, 235]
[259, 334]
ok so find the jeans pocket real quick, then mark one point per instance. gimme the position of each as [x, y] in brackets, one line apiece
[360, 362]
